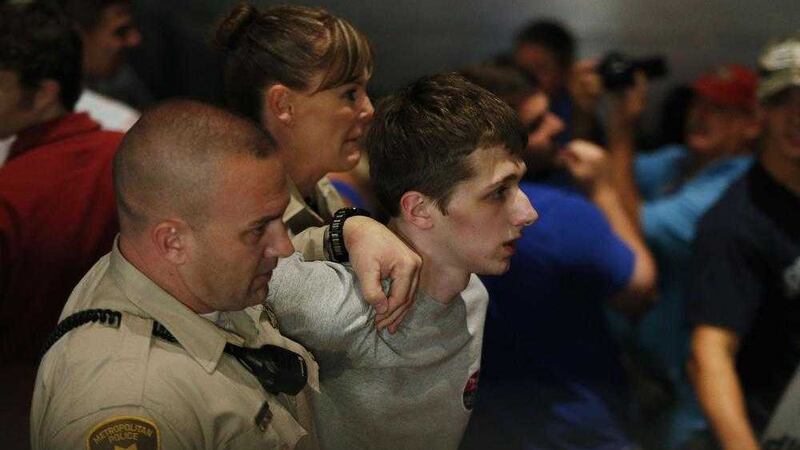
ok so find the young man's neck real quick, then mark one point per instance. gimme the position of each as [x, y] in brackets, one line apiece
[438, 278]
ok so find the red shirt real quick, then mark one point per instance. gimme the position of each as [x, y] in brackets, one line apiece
[57, 217]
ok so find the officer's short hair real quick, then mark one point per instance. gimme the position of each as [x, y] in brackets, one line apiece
[169, 160]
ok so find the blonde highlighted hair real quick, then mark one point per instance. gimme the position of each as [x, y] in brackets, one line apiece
[289, 45]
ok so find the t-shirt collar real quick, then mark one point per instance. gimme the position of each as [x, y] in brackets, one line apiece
[55, 130]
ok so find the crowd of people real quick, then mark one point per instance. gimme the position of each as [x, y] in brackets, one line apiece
[481, 259]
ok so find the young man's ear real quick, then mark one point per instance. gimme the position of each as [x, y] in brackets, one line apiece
[278, 103]
[172, 239]
[416, 209]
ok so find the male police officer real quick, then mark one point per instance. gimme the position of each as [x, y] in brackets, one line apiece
[201, 195]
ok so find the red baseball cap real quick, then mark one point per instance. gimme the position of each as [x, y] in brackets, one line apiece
[729, 86]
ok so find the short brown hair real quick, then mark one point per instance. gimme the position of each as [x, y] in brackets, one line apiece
[422, 136]
[87, 13]
[38, 42]
[287, 45]
[552, 35]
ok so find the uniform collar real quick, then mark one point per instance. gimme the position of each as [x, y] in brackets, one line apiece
[299, 215]
[64, 127]
[203, 340]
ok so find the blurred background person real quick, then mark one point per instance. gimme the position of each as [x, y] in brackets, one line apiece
[745, 290]
[674, 109]
[545, 49]
[665, 192]
[57, 212]
[411, 41]
[107, 31]
[551, 374]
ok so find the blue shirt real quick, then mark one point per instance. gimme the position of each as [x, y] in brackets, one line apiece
[350, 194]
[672, 207]
[550, 375]
[561, 105]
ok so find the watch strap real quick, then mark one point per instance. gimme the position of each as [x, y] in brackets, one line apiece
[335, 242]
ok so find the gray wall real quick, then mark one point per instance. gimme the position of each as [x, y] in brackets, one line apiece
[416, 37]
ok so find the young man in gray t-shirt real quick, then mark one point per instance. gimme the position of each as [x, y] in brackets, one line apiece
[445, 160]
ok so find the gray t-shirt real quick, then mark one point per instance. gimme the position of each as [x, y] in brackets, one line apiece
[410, 390]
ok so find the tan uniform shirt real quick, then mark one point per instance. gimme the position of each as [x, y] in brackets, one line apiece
[101, 387]
[307, 227]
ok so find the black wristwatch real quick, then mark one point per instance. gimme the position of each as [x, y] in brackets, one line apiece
[334, 241]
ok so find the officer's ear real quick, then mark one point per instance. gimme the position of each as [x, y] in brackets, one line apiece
[278, 104]
[415, 208]
[171, 238]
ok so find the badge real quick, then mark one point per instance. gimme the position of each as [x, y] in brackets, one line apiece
[124, 433]
[471, 391]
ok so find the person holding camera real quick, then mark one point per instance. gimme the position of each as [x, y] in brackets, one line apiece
[545, 50]
[666, 191]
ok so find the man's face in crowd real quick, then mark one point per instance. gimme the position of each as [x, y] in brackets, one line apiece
[485, 214]
[782, 123]
[713, 130]
[542, 63]
[16, 107]
[542, 126]
[240, 243]
[104, 46]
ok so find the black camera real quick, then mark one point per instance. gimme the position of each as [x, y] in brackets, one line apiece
[617, 71]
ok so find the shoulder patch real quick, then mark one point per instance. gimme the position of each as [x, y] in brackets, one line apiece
[124, 433]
